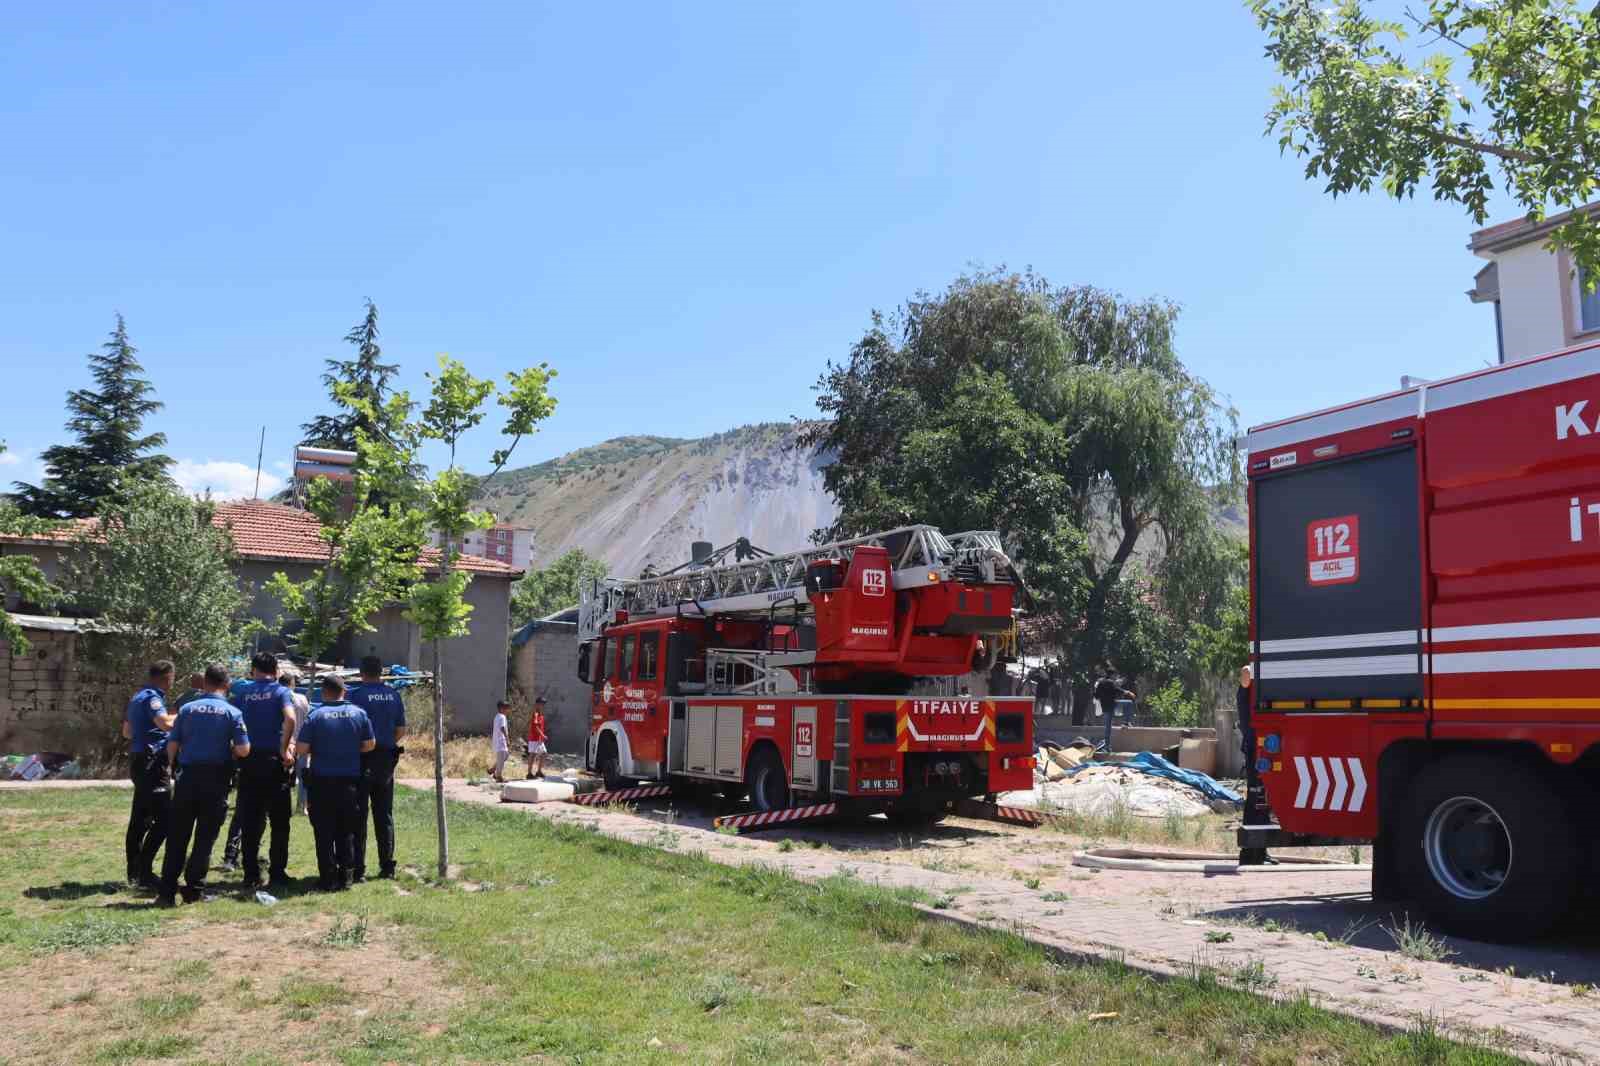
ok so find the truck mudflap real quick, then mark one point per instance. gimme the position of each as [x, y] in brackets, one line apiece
[620, 795]
[773, 819]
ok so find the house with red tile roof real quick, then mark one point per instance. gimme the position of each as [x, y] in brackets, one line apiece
[270, 537]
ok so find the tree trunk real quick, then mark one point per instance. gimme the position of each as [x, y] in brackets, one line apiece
[438, 760]
[1081, 697]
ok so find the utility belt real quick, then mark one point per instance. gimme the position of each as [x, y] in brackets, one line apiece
[380, 762]
[202, 774]
[266, 768]
[149, 771]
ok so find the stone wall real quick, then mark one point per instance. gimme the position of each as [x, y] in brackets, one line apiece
[51, 699]
[546, 664]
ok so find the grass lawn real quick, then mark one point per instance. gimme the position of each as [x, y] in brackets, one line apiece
[557, 945]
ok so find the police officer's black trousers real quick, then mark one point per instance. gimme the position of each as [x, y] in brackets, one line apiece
[335, 812]
[266, 794]
[152, 807]
[230, 850]
[377, 793]
[199, 804]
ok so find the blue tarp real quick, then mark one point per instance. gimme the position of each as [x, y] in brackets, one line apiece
[1150, 763]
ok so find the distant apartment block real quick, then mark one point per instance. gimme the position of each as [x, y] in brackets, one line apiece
[1540, 302]
[500, 542]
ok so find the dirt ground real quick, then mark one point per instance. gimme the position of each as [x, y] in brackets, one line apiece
[74, 1005]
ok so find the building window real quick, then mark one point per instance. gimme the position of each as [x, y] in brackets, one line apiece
[1588, 305]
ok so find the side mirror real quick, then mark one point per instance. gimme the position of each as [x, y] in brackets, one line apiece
[583, 661]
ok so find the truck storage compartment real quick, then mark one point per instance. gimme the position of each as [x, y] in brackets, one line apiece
[1338, 581]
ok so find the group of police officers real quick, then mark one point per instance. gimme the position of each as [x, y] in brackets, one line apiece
[185, 759]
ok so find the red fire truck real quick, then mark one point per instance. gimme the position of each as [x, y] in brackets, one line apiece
[803, 680]
[1425, 574]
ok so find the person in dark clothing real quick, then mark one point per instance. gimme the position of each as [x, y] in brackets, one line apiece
[235, 839]
[335, 736]
[208, 735]
[386, 710]
[1256, 811]
[266, 779]
[1109, 689]
[145, 723]
[1241, 700]
[197, 688]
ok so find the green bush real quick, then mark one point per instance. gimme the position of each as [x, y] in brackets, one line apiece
[1174, 705]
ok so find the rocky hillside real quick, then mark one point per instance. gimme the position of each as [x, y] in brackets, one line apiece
[637, 501]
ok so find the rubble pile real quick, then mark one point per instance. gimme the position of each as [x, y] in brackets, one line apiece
[1146, 785]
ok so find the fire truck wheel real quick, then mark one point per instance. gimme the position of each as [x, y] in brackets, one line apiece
[608, 766]
[1492, 847]
[764, 777]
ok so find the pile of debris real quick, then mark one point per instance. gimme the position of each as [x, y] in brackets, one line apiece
[1070, 778]
[41, 766]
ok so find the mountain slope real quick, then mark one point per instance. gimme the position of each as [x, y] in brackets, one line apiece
[637, 501]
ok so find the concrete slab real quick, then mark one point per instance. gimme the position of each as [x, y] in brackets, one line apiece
[536, 792]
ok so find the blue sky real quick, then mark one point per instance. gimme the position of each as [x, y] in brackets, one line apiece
[686, 208]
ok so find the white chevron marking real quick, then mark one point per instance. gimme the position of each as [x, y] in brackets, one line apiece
[1320, 800]
[1359, 793]
[1336, 802]
[1305, 780]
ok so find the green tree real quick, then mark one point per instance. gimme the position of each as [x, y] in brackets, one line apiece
[1221, 646]
[438, 605]
[360, 390]
[159, 574]
[20, 575]
[376, 536]
[554, 588]
[108, 422]
[374, 528]
[1505, 86]
[1061, 417]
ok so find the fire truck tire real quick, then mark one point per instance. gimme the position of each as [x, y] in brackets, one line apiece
[608, 766]
[1491, 849]
[767, 783]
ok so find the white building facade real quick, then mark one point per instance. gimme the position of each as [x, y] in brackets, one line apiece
[1540, 303]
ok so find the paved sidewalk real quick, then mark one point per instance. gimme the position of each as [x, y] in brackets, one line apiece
[1537, 1020]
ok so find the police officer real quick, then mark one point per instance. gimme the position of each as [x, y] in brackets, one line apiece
[145, 724]
[266, 779]
[387, 712]
[207, 736]
[335, 736]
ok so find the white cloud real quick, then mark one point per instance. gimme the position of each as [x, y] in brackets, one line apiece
[225, 479]
[20, 466]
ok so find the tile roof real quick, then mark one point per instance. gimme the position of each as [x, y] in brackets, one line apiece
[271, 531]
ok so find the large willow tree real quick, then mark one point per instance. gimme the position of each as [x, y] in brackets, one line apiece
[1064, 418]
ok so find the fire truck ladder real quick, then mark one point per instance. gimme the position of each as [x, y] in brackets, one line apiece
[919, 555]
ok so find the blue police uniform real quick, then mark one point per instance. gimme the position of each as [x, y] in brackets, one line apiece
[386, 710]
[152, 785]
[205, 734]
[266, 786]
[335, 732]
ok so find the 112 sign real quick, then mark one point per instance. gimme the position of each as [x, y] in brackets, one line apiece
[1333, 550]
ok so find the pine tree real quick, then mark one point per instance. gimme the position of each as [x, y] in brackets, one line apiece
[107, 421]
[367, 378]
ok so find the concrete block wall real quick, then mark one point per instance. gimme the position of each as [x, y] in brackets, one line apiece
[547, 665]
[51, 700]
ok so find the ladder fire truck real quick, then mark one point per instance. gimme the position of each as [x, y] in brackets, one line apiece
[803, 680]
[1425, 576]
